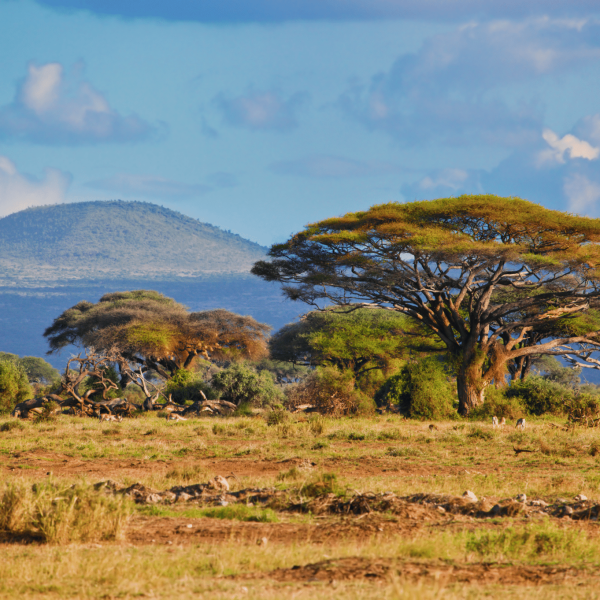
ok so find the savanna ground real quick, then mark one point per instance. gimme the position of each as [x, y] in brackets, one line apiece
[189, 549]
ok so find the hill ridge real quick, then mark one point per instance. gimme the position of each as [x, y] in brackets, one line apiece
[116, 239]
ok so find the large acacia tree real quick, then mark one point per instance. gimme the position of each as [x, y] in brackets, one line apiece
[156, 332]
[442, 262]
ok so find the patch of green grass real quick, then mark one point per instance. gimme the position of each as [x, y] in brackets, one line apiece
[235, 512]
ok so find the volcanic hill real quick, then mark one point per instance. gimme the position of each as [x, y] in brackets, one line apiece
[116, 240]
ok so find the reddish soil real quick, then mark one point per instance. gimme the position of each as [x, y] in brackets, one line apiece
[37, 463]
[353, 568]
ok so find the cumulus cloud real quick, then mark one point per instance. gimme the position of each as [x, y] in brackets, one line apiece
[19, 191]
[150, 186]
[452, 89]
[50, 108]
[569, 144]
[269, 11]
[261, 110]
[334, 167]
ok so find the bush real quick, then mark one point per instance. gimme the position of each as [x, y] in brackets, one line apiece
[331, 392]
[496, 404]
[421, 389]
[239, 384]
[14, 385]
[185, 385]
[540, 395]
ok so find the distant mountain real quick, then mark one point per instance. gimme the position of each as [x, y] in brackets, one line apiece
[116, 240]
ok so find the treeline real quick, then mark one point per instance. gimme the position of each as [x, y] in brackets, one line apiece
[339, 361]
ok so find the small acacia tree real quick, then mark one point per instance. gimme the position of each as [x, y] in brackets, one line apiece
[148, 329]
[441, 262]
[362, 341]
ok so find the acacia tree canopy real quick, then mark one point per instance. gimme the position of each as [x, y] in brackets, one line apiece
[149, 329]
[441, 262]
[359, 340]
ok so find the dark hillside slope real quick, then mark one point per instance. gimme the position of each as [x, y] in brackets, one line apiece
[115, 240]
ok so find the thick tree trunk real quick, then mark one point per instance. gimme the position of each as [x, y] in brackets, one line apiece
[469, 395]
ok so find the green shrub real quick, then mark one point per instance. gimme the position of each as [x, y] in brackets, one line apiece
[239, 384]
[10, 425]
[277, 417]
[540, 395]
[496, 404]
[14, 385]
[325, 483]
[185, 385]
[421, 389]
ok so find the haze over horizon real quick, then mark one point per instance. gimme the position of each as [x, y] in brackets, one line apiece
[259, 117]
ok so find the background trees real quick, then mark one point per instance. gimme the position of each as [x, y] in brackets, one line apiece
[14, 386]
[156, 332]
[368, 342]
[441, 262]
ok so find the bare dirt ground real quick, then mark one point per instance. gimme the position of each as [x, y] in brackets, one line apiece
[415, 542]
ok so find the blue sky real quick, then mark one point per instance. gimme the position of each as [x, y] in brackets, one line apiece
[262, 116]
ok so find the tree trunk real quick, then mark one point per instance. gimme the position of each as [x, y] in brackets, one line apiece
[469, 395]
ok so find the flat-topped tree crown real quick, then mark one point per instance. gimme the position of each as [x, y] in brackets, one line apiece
[156, 332]
[443, 262]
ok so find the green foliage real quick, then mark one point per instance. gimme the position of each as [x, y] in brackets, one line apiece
[359, 257]
[147, 328]
[277, 417]
[497, 404]
[367, 342]
[539, 395]
[324, 483]
[14, 385]
[36, 368]
[421, 389]
[552, 370]
[239, 384]
[185, 385]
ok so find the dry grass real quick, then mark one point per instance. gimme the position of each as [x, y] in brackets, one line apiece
[376, 454]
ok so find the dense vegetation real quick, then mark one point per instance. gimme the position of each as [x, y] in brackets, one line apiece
[497, 280]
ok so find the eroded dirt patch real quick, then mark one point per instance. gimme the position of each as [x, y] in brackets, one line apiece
[352, 568]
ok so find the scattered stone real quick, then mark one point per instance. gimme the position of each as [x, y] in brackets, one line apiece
[222, 502]
[496, 509]
[262, 541]
[580, 498]
[567, 510]
[521, 498]
[469, 495]
[539, 503]
[441, 509]
[183, 497]
[189, 525]
[153, 498]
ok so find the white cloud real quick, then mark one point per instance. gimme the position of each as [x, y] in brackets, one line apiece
[568, 144]
[582, 194]
[148, 186]
[54, 109]
[18, 191]
[261, 110]
[454, 88]
[319, 166]
[448, 178]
